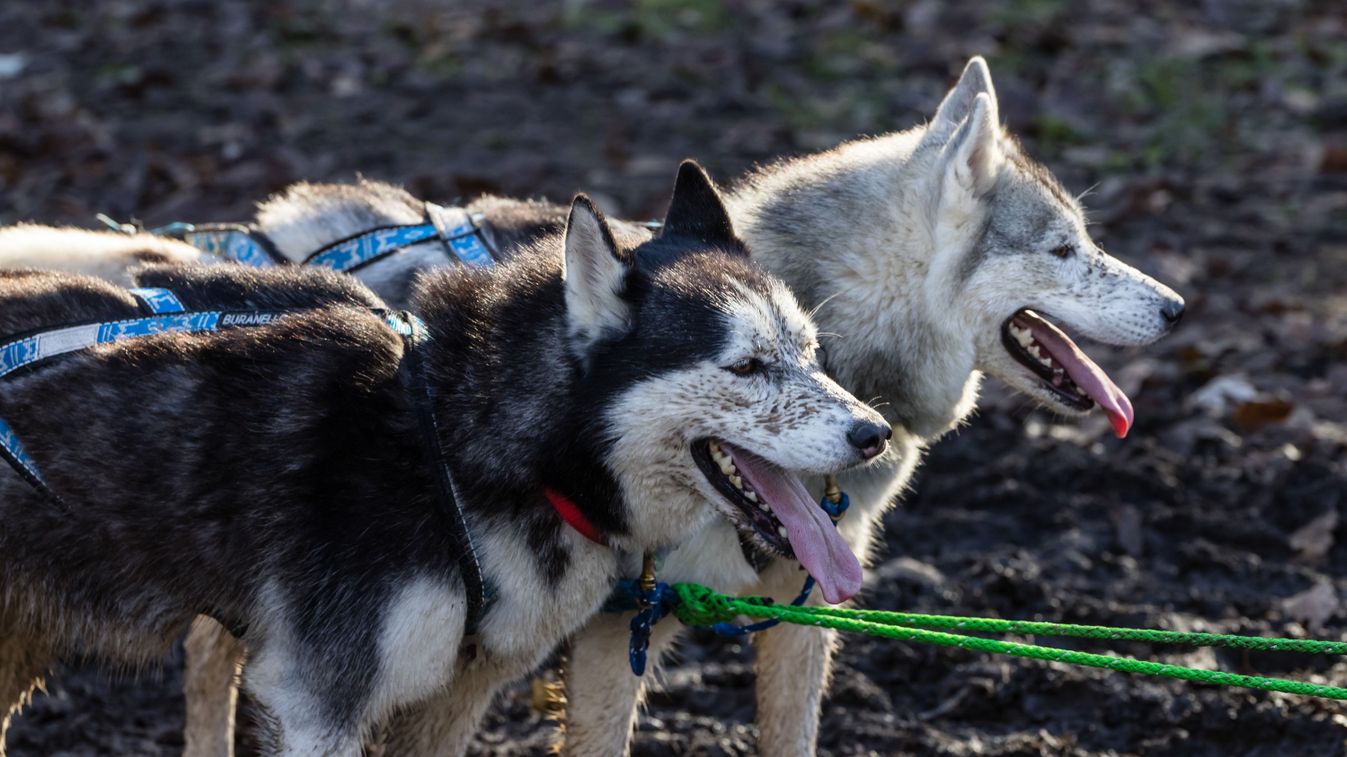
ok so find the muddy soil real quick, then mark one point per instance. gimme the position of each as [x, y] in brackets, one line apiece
[1213, 137]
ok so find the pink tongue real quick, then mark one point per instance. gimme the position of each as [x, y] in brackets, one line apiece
[1088, 376]
[812, 535]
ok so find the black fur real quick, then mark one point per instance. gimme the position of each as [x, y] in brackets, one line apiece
[696, 209]
[513, 225]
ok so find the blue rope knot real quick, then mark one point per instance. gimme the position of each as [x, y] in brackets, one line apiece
[655, 603]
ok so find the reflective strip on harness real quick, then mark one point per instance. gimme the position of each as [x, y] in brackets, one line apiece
[31, 349]
[461, 235]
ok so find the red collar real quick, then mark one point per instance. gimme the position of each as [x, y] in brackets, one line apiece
[570, 512]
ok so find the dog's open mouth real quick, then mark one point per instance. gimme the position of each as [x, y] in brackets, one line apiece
[1072, 377]
[773, 504]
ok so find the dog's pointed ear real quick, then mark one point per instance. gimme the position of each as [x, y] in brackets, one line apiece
[697, 210]
[954, 109]
[972, 159]
[595, 273]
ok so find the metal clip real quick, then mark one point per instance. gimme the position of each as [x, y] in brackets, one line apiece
[832, 491]
[647, 580]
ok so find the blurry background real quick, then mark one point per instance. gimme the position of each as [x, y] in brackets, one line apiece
[1213, 135]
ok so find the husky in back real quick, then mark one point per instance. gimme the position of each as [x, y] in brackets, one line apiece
[279, 477]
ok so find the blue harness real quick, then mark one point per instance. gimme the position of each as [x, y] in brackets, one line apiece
[460, 233]
[164, 313]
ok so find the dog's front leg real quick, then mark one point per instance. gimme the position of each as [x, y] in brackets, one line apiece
[602, 695]
[793, 665]
[214, 658]
[301, 710]
[444, 724]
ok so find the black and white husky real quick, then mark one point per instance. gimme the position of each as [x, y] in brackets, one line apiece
[932, 256]
[275, 476]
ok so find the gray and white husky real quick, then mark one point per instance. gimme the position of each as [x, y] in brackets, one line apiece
[931, 256]
[277, 478]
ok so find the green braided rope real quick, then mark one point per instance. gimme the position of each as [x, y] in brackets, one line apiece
[699, 605]
[960, 624]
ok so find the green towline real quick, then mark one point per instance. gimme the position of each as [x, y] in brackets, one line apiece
[698, 605]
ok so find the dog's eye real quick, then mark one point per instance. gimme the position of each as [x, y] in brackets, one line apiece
[1063, 250]
[747, 367]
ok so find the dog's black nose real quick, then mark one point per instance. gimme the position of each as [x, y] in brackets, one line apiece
[1172, 311]
[869, 438]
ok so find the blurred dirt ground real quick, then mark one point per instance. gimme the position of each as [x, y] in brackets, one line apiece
[1213, 137]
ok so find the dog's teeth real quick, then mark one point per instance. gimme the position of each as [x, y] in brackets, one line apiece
[781, 531]
[722, 459]
[1023, 337]
[752, 497]
[738, 482]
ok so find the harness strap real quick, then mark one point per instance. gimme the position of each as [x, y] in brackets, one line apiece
[449, 501]
[461, 233]
[359, 250]
[455, 228]
[157, 301]
[238, 242]
[12, 450]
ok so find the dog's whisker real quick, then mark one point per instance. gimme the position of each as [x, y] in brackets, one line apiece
[814, 310]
